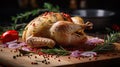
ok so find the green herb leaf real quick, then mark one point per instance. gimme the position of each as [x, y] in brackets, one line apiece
[56, 51]
[50, 7]
[25, 52]
[107, 46]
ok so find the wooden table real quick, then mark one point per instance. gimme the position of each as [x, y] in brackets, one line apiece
[106, 59]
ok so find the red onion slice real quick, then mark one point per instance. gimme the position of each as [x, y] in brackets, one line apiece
[88, 54]
[3, 45]
[94, 41]
[11, 42]
[25, 48]
[14, 45]
[22, 44]
[85, 54]
[75, 53]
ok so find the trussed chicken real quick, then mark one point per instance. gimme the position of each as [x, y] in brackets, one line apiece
[51, 28]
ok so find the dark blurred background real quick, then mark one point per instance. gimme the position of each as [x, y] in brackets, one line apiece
[10, 8]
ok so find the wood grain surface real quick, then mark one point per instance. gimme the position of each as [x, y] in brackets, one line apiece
[104, 59]
[6, 59]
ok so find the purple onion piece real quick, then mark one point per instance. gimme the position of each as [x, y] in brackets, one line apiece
[75, 53]
[25, 48]
[13, 45]
[4, 45]
[11, 42]
[94, 41]
[88, 54]
[22, 44]
[85, 54]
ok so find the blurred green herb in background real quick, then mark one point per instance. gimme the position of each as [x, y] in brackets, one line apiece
[52, 8]
[25, 16]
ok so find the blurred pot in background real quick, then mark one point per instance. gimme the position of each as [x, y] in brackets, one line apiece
[100, 18]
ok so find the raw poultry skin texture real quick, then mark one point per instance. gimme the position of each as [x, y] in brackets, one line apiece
[52, 28]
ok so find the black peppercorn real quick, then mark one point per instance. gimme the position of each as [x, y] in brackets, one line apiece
[14, 57]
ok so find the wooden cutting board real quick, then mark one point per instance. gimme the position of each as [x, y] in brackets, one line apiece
[6, 58]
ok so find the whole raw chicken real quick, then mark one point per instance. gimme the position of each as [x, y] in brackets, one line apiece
[52, 28]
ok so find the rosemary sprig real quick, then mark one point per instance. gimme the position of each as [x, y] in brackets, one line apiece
[52, 8]
[25, 52]
[21, 17]
[26, 15]
[107, 45]
[56, 51]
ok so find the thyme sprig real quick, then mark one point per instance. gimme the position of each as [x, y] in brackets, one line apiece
[108, 43]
